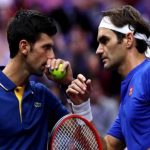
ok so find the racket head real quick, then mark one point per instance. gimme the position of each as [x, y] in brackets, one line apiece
[74, 132]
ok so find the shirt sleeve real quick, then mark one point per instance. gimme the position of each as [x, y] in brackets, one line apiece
[115, 129]
[53, 107]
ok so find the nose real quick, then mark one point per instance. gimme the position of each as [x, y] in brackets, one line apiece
[50, 54]
[100, 49]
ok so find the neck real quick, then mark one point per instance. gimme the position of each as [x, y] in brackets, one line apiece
[16, 72]
[130, 62]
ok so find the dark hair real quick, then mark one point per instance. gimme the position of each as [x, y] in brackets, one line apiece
[128, 15]
[28, 25]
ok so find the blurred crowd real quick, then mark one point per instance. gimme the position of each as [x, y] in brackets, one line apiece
[77, 22]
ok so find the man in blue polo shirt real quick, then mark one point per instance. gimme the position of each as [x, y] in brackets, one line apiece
[28, 110]
[123, 38]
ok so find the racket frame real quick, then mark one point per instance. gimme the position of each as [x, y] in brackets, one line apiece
[69, 116]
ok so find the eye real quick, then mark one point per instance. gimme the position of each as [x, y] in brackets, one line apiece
[48, 47]
[104, 40]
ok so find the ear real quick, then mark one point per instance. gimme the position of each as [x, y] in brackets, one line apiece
[129, 42]
[24, 47]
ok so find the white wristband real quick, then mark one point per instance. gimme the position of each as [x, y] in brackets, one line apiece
[83, 109]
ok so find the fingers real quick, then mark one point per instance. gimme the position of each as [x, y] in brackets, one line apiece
[54, 64]
[76, 87]
[79, 85]
[89, 85]
[79, 90]
[86, 83]
[81, 78]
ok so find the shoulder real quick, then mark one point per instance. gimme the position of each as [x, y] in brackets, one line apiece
[40, 88]
[43, 91]
[146, 64]
[143, 69]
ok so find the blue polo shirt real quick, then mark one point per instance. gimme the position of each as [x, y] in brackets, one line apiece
[132, 124]
[40, 111]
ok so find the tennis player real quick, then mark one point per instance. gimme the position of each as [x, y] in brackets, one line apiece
[28, 110]
[123, 38]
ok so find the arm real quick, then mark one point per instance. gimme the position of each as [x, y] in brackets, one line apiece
[112, 143]
[79, 91]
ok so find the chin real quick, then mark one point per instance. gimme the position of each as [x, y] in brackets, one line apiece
[107, 67]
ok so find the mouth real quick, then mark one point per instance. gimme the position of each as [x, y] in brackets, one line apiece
[104, 59]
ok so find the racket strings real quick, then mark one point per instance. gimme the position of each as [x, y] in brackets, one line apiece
[74, 134]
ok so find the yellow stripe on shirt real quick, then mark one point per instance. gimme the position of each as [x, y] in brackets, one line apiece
[19, 90]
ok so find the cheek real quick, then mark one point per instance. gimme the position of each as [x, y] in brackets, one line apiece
[110, 51]
[114, 49]
[35, 59]
[38, 55]
[113, 54]
[118, 55]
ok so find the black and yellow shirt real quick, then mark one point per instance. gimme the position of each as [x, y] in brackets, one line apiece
[38, 109]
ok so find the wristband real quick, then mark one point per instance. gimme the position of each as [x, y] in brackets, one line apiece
[83, 109]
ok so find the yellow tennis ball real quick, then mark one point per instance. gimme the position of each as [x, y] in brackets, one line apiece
[58, 73]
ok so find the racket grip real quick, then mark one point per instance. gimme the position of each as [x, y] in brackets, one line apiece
[83, 109]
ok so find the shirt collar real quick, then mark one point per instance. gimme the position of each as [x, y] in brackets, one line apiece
[8, 85]
[5, 82]
[132, 72]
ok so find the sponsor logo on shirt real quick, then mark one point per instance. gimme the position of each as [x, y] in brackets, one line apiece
[37, 104]
[130, 91]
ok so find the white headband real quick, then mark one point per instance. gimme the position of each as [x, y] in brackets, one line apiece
[106, 23]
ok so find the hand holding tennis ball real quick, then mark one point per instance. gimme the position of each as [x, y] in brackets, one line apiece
[58, 74]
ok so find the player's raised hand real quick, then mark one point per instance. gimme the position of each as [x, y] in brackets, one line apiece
[79, 90]
[59, 71]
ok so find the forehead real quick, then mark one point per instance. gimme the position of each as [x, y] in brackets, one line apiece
[105, 32]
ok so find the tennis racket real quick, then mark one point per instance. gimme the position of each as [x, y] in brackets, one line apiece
[74, 132]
